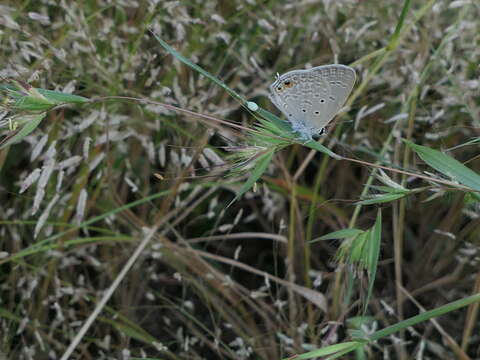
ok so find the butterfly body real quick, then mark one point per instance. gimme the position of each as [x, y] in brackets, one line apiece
[311, 98]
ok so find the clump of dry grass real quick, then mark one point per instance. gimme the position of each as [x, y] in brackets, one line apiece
[79, 193]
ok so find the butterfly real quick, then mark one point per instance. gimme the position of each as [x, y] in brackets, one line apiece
[311, 98]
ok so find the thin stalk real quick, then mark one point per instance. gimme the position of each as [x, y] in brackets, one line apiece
[291, 260]
[471, 317]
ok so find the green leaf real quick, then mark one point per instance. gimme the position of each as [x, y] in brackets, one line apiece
[260, 167]
[132, 330]
[286, 130]
[357, 249]
[447, 165]
[12, 91]
[383, 198]
[31, 123]
[402, 325]
[319, 147]
[62, 98]
[340, 234]
[374, 242]
[330, 350]
[6, 314]
[195, 67]
[392, 44]
[387, 189]
[37, 99]
[31, 103]
[283, 125]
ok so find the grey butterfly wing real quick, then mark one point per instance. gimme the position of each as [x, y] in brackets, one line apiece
[341, 79]
[311, 98]
[288, 93]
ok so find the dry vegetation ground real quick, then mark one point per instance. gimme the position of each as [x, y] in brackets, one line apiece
[79, 194]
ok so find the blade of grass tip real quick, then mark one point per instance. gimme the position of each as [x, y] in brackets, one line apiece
[455, 305]
[356, 249]
[319, 147]
[373, 256]
[197, 68]
[24, 131]
[447, 165]
[328, 350]
[382, 199]
[396, 34]
[62, 98]
[131, 330]
[11, 91]
[340, 234]
[260, 167]
[31, 103]
[346, 351]
[281, 124]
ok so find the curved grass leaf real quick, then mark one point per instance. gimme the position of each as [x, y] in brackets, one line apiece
[373, 254]
[427, 315]
[340, 234]
[330, 350]
[38, 99]
[62, 98]
[11, 91]
[447, 165]
[195, 67]
[383, 198]
[31, 103]
[260, 167]
[312, 144]
[131, 330]
[30, 124]
[283, 125]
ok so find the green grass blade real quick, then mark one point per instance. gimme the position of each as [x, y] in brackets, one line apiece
[447, 165]
[30, 125]
[62, 98]
[11, 91]
[131, 330]
[319, 147]
[359, 346]
[195, 67]
[340, 234]
[330, 350]
[455, 305]
[31, 103]
[374, 242]
[260, 167]
[281, 124]
[398, 29]
[38, 99]
[384, 198]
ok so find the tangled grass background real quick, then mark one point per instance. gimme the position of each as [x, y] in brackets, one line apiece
[263, 278]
